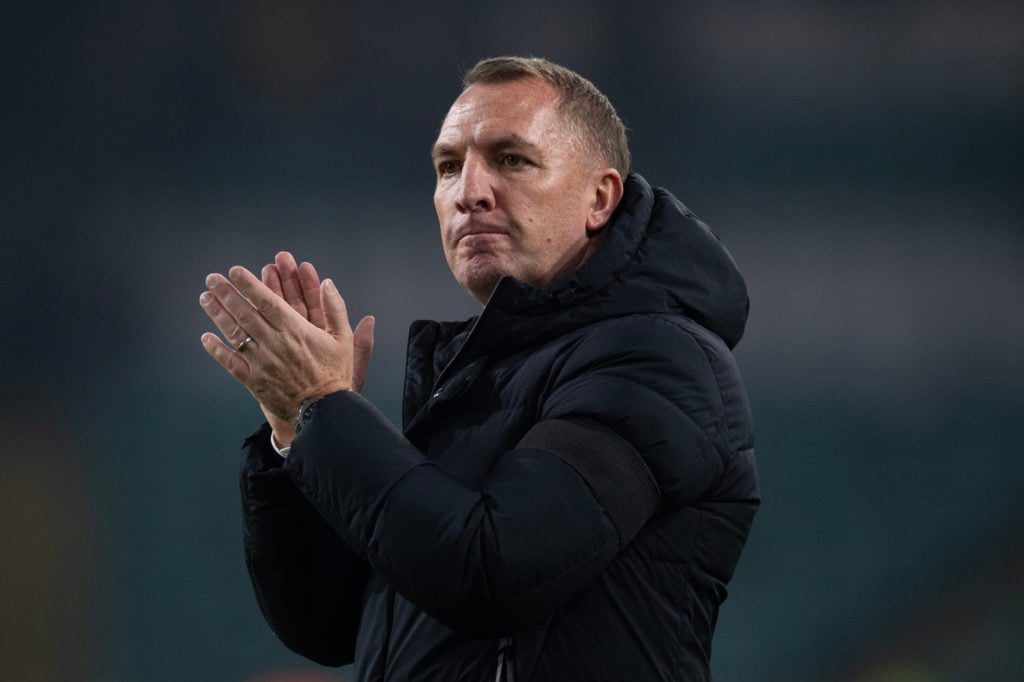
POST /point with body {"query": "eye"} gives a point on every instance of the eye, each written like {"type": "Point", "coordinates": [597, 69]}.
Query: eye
{"type": "Point", "coordinates": [512, 161]}
{"type": "Point", "coordinates": [448, 167]}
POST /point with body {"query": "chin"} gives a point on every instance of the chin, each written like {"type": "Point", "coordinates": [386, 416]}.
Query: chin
{"type": "Point", "coordinates": [481, 289]}
{"type": "Point", "coordinates": [479, 282]}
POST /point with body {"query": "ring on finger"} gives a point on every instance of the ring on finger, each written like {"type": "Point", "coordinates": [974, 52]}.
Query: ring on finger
{"type": "Point", "coordinates": [240, 348]}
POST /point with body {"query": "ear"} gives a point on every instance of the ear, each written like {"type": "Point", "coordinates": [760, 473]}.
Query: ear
{"type": "Point", "coordinates": [607, 195]}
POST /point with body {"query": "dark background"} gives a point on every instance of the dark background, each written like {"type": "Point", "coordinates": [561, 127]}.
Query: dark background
{"type": "Point", "coordinates": [862, 162]}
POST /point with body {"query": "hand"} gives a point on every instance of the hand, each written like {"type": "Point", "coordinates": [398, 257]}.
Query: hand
{"type": "Point", "coordinates": [299, 285]}
{"type": "Point", "coordinates": [290, 359]}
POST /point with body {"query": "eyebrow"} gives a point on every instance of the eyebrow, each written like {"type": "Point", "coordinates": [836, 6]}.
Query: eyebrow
{"type": "Point", "coordinates": [441, 150]}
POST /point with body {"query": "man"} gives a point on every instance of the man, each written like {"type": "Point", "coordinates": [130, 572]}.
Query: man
{"type": "Point", "coordinates": [575, 479]}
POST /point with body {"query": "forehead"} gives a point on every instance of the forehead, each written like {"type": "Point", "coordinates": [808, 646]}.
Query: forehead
{"type": "Point", "coordinates": [527, 109]}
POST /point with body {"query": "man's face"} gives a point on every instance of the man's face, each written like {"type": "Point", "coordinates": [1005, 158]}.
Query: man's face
{"type": "Point", "coordinates": [515, 194]}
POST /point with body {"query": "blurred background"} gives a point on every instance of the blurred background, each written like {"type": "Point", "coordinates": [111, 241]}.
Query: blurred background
{"type": "Point", "coordinates": [863, 162]}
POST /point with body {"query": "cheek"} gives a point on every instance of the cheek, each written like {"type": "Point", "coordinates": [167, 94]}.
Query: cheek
{"type": "Point", "coordinates": [443, 217]}
{"type": "Point", "coordinates": [438, 203]}
{"type": "Point", "coordinates": [560, 228]}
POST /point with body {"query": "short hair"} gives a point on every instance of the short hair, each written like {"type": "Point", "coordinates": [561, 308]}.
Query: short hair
{"type": "Point", "coordinates": [589, 114]}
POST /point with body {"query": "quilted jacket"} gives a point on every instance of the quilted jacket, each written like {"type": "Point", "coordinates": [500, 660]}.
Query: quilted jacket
{"type": "Point", "coordinates": [567, 500]}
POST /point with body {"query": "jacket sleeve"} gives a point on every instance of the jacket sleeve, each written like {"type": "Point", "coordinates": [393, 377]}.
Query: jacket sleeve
{"type": "Point", "coordinates": [308, 583]}
{"type": "Point", "coordinates": [666, 386]}
{"type": "Point", "coordinates": [554, 511]}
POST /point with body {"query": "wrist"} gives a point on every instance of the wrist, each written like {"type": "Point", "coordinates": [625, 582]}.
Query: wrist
{"type": "Point", "coordinates": [282, 441]}
{"type": "Point", "coordinates": [282, 430]}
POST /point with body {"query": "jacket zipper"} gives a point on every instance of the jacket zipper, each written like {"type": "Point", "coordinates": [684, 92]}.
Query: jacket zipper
{"type": "Point", "coordinates": [505, 671]}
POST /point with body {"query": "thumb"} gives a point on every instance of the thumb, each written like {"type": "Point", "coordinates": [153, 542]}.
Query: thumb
{"type": "Point", "coordinates": [335, 312]}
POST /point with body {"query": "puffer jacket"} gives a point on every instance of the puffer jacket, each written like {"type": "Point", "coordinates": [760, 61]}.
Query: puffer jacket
{"type": "Point", "coordinates": [570, 494]}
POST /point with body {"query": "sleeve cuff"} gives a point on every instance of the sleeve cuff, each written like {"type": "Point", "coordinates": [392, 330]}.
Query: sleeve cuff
{"type": "Point", "coordinates": [281, 451]}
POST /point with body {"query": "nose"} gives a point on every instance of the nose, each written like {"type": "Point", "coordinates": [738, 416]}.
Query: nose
{"type": "Point", "coordinates": [476, 189]}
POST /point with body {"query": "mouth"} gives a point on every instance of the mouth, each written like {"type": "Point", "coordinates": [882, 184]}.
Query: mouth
{"type": "Point", "coordinates": [474, 237]}
{"type": "Point", "coordinates": [479, 234]}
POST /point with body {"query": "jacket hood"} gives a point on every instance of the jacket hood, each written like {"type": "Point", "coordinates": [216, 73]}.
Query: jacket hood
{"type": "Point", "coordinates": [657, 257]}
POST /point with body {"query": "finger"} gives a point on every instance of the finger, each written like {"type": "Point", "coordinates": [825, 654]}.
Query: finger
{"type": "Point", "coordinates": [228, 326]}
{"type": "Point", "coordinates": [265, 308]}
{"type": "Point", "coordinates": [288, 272]}
{"type": "Point", "coordinates": [309, 280]}
{"type": "Point", "coordinates": [240, 309]}
{"type": "Point", "coordinates": [271, 279]}
{"type": "Point", "coordinates": [362, 343]}
{"type": "Point", "coordinates": [335, 312]}
{"type": "Point", "coordinates": [227, 358]}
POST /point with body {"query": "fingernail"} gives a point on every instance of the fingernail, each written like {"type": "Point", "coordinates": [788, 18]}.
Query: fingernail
{"type": "Point", "coordinates": [211, 280]}
{"type": "Point", "coordinates": [206, 298]}
{"type": "Point", "coordinates": [235, 272]}
{"type": "Point", "coordinates": [329, 285]}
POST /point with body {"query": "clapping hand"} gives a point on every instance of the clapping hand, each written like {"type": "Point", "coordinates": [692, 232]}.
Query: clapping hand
{"type": "Point", "coordinates": [290, 337]}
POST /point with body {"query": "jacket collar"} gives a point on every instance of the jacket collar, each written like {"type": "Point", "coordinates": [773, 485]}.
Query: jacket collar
{"type": "Point", "coordinates": [657, 257]}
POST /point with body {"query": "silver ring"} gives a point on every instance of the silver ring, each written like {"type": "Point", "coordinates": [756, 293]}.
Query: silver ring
{"type": "Point", "coordinates": [241, 347]}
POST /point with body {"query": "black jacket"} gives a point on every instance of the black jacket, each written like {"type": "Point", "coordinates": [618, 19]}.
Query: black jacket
{"type": "Point", "coordinates": [571, 493]}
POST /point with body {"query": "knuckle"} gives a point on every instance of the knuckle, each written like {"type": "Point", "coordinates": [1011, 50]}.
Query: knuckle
{"type": "Point", "coordinates": [263, 307]}
{"type": "Point", "coordinates": [246, 317]}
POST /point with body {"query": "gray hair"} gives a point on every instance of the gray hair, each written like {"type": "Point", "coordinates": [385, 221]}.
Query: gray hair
{"type": "Point", "coordinates": [586, 110]}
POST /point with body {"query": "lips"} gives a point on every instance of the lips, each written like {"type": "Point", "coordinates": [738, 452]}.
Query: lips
{"type": "Point", "coordinates": [478, 230]}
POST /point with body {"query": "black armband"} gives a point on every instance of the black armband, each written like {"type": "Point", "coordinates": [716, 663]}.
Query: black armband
{"type": "Point", "coordinates": [612, 468]}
